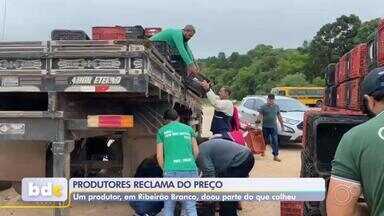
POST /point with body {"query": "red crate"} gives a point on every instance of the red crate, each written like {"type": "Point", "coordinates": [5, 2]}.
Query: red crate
{"type": "Point", "coordinates": [342, 91]}
{"type": "Point", "coordinates": [343, 69]}
{"type": "Point", "coordinates": [358, 61]}
{"type": "Point", "coordinates": [380, 43]}
{"type": "Point", "coordinates": [291, 208]}
{"type": "Point", "coordinates": [108, 33]}
{"type": "Point", "coordinates": [149, 32]}
{"type": "Point", "coordinates": [354, 97]}
{"type": "Point", "coordinates": [255, 141]}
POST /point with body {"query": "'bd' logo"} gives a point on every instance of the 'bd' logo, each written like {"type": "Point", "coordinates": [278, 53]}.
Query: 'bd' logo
{"type": "Point", "coordinates": [48, 190]}
{"type": "Point", "coordinates": [44, 189]}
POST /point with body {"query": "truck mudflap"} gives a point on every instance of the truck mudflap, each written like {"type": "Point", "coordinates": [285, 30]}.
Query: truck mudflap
{"type": "Point", "coordinates": [24, 138]}
{"type": "Point", "coordinates": [21, 159]}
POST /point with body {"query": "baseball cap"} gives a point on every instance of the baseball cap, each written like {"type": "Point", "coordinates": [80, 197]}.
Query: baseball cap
{"type": "Point", "coordinates": [373, 82]}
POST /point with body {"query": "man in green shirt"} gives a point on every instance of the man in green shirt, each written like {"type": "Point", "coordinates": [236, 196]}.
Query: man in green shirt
{"type": "Point", "coordinates": [176, 153]}
{"type": "Point", "coordinates": [178, 39]}
{"type": "Point", "coordinates": [358, 166]}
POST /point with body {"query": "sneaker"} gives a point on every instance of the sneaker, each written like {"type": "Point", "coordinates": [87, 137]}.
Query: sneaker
{"type": "Point", "coordinates": [276, 158]}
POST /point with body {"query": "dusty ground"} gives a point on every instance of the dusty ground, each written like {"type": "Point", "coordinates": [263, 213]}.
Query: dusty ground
{"type": "Point", "coordinates": [264, 167]}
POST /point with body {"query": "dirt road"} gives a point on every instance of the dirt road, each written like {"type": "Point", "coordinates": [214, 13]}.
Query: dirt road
{"type": "Point", "coordinates": [264, 167]}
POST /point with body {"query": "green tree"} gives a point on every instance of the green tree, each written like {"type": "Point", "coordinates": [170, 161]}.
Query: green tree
{"type": "Point", "coordinates": [265, 67]}
{"type": "Point", "coordinates": [293, 62]}
{"type": "Point", "coordinates": [318, 81]}
{"type": "Point", "coordinates": [221, 56]}
{"type": "Point", "coordinates": [297, 79]}
{"type": "Point", "coordinates": [366, 31]}
{"type": "Point", "coordinates": [332, 41]}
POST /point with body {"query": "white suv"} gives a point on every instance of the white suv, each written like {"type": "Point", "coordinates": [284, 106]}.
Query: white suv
{"type": "Point", "coordinates": [291, 110]}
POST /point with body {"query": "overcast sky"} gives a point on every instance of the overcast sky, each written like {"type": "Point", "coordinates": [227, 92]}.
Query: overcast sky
{"type": "Point", "coordinates": [222, 25]}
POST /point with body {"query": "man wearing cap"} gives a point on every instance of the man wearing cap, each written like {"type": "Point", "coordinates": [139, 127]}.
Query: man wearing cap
{"type": "Point", "coordinates": [178, 39]}
{"type": "Point", "coordinates": [358, 166]}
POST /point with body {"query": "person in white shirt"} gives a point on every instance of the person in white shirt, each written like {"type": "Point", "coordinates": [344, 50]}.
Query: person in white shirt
{"type": "Point", "coordinates": [221, 122]}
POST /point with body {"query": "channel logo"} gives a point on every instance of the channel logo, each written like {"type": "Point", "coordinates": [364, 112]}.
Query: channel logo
{"type": "Point", "coordinates": [44, 189]}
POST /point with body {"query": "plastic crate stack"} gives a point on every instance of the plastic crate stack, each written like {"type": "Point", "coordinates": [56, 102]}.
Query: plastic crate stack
{"type": "Point", "coordinates": [375, 57]}
{"type": "Point", "coordinates": [65, 34]}
{"type": "Point", "coordinates": [291, 208]}
{"type": "Point", "coordinates": [108, 33]}
{"type": "Point", "coordinates": [134, 32]}
{"type": "Point", "coordinates": [351, 70]}
{"type": "Point", "coordinates": [123, 32]}
{"type": "Point", "coordinates": [344, 78]}
{"type": "Point", "coordinates": [150, 31]}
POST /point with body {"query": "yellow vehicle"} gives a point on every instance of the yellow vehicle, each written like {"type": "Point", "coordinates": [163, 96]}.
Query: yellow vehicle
{"type": "Point", "coordinates": [310, 96]}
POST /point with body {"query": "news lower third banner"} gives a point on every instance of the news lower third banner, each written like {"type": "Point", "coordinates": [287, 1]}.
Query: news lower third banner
{"type": "Point", "coordinates": [179, 189]}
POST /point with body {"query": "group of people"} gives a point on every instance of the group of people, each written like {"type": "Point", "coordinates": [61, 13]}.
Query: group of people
{"type": "Point", "coordinates": [180, 154]}
{"type": "Point", "coordinates": [357, 167]}
{"type": "Point", "coordinates": [226, 120]}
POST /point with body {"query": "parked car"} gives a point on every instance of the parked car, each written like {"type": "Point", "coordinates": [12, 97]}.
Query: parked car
{"type": "Point", "coordinates": [292, 111]}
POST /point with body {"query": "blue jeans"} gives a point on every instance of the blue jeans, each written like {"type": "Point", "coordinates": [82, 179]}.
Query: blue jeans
{"type": "Point", "coordinates": [188, 206]}
{"type": "Point", "coordinates": [270, 136]}
{"type": "Point", "coordinates": [146, 207]}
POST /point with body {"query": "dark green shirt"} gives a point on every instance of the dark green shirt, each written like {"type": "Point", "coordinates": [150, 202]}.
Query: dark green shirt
{"type": "Point", "coordinates": [269, 114]}
{"type": "Point", "coordinates": [360, 158]}
{"type": "Point", "coordinates": [177, 147]}
{"type": "Point", "coordinates": [175, 39]}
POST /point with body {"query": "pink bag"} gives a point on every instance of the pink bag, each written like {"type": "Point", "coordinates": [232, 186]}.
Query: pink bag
{"type": "Point", "coordinates": [235, 120]}
{"type": "Point", "coordinates": [236, 134]}
{"type": "Point", "coordinates": [237, 137]}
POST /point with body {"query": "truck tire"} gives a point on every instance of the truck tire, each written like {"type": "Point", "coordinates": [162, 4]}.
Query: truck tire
{"type": "Point", "coordinates": [312, 209]}
{"type": "Point", "coordinates": [4, 185]}
{"type": "Point", "coordinates": [308, 171]}
{"type": "Point", "coordinates": [307, 165]}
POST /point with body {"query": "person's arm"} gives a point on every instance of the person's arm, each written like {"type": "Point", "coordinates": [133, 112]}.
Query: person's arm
{"type": "Point", "coordinates": [195, 147]}
{"type": "Point", "coordinates": [259, 117]}
{"type": "Point", "coordinates": [345, 188]}
{"type": "Point", "coordinates": [342, 198]}
{"type": "Point", "coordinates": [280, 120]}
{"type": "Point", "coordinates": [206, 166]}
{"type": "Point", "coordinates": [160, 149]}
{"type": "Point", "coordinates": [225, 106]}
{"type": "Point", "coordinates": [159, 154]}
{"type": "Point", "coordinates": [189, 51]}
{"type": "Point", "coordinates": [179, 42]}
